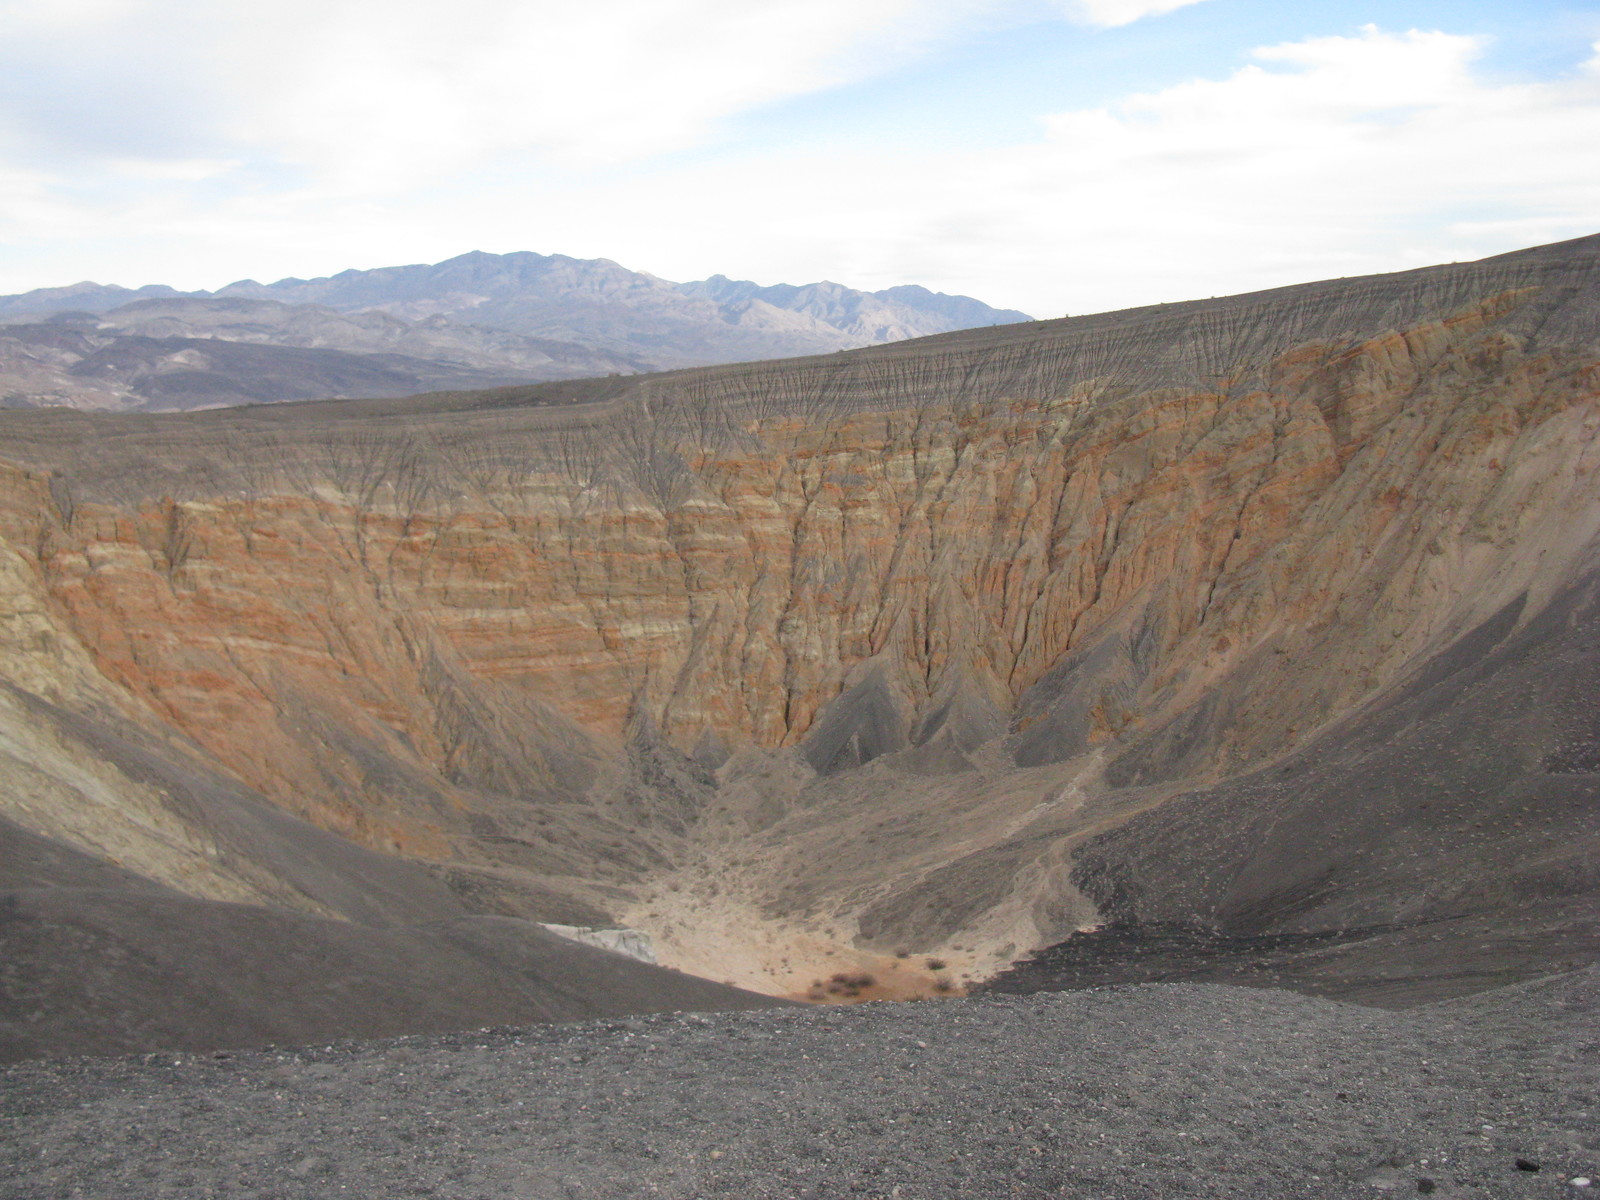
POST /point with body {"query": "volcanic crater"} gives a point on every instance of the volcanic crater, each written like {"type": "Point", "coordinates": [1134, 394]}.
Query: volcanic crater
{"type": "Point", "coordinates": [1250, 640]}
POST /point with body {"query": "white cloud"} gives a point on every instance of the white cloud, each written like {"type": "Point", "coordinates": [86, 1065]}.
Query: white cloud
{"type": "Point", "coordinates": [1325, 157]}
{"type": "Point", "coordinates": [385, 93]}
{"type": "Point", "coordinates": [403, 88]}
{"type": "Point", "coordinates": [28, 200]}
{"type": "Point", "coordinates": [62, 14]}
{"type": "Point", "coordinates": [1110, 13]}
{"type": "Point", "coordinates": [1322, 157]}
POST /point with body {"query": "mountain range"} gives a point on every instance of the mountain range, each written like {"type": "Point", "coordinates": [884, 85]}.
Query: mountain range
{"type": "Point", "coordinates": [474, 321]}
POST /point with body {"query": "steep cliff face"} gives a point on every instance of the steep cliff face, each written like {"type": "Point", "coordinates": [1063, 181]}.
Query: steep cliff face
{"type": "Point", "coordinates": [827, 658]}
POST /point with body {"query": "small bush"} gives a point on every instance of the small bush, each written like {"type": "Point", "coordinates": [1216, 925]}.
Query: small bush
{"type": "Point", "coordinates": [849, 984]}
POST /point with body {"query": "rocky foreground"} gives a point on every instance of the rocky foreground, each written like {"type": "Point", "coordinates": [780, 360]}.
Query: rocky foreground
{"type": "Point", "coordinates": [1152, 1091]}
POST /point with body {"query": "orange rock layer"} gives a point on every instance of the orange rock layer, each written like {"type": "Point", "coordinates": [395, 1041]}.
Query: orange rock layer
{"type": "Point", "coordinates": [378, 655]}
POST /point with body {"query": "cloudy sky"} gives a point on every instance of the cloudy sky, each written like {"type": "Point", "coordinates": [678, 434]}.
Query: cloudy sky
{"type": "Point", "coordinates": [1050, 155]}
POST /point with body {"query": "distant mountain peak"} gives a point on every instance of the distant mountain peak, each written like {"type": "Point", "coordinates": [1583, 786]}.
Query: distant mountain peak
{"type": "Point", "coordinates": [516, 316]}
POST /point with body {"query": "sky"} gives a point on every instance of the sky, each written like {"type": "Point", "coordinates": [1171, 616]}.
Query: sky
{"type": "Point", "coordinates": [1056, 156]}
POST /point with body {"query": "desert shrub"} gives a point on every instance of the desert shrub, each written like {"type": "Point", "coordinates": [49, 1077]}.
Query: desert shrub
{"type": "Point", "coordinates": [849, 984]}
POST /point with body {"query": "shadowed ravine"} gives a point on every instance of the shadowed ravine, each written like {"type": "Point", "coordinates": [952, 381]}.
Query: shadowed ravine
{"type": "Point", "coordinates": [1270, 617]}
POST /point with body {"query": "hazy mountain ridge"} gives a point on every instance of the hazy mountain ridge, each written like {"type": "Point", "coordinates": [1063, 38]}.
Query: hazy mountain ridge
{"type": "Point", "coordinates": [78, 297]}
{"type": "Point", "coordinates": [57, 364]}
{"type": "Point", "coordinates": [473, 321]}
{"type": "Point", "coordinates": [886, 316]}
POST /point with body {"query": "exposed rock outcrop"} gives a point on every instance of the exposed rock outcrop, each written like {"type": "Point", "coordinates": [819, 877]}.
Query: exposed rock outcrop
{"type": "Point", "coordinates": [634, 943]}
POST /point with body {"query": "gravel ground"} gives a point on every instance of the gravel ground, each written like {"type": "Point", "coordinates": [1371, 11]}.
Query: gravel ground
{"type": "Point", "coordinates": [1162, 1090]}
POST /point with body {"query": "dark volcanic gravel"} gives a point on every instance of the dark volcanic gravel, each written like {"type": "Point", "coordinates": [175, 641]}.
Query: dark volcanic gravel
{"type": "Point", "coordinates": [1154, 1091]}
